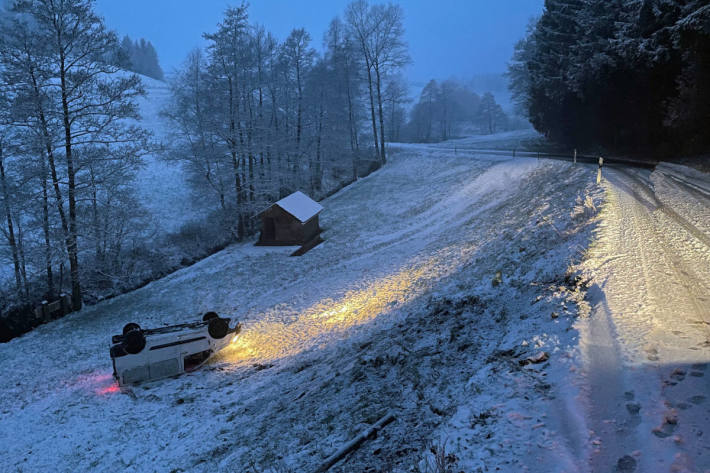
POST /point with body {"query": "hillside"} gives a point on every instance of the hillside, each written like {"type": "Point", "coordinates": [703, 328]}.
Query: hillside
{"type": "Point", "coordinates": [161, 184]}
{"type": "Point", "coordinates": [395, 311]}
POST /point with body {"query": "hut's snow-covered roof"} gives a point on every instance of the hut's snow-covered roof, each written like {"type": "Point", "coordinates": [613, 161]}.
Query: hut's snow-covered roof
{"type": "Point", "coordinates": [300, 206]}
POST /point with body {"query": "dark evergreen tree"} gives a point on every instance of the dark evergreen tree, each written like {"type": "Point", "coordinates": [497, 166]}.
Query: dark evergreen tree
{"type": "Point", "coordinates": [551, 98]}
{"type": "Point", "coordinates": [688, 114]}
{"type": "Point", "coordinates": [624, 75]}
{"type": "Point", "coordinates": [140, 56]}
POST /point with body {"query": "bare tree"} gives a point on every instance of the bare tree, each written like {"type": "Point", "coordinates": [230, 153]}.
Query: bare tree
{"type": "Point", "coordinates": [491, 115]}
{"type": "Point", "coordinates": [388, 52]}
{"type": "Point", "coordinates": [227, 49]}
{"type": "Point", "coordinates": [90, 100]}
{"type": "Point", "coordinates": [362, 28]}
{"type": "Point", "coordinates": [23, 56]}
{"type": "Point", "coordinates": [380, 31]}
{"type": "Point", "coordinates": [342, 54]}
{"type": "Point", "coordinates": [395, 96]}
{"type": "Point", "coordinates": [299, 56]}
{"type": "Point", "coordinates": [9, 231]}
{"type": "Point", "coordinates": [200, 148]}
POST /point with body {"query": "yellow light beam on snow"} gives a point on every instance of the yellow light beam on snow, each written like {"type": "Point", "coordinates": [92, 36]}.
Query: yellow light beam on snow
{"type": "Point", "coordinates": [267, 339]}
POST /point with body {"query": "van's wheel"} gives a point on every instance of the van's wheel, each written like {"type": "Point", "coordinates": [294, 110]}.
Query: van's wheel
{"type": "Point", "coordinates": [134, 342]}
{"type": "Point", "coordinates": [130, 326]}
{"type": "Point", "coordinates": [218, 328]}
{"type": "Point", "coordinates": [209, 316]}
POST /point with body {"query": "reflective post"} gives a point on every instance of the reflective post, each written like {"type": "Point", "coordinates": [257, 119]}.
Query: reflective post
{"type": "Point", "coordinates": [599, 171]}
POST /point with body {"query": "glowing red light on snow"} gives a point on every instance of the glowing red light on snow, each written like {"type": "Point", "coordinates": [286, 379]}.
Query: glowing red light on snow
{"type": "Point", "coordinates": [114, 388]}
{"type": "Point", "coordinates": [100, 378]}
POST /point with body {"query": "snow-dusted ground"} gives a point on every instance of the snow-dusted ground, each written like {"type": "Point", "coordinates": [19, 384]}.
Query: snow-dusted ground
{"type": "Point", "coordinates": [400, 310]}
{"type": "Point", "coordinates": [645, 349]}
{"type": "Point", "coordinates": [161, 183]}
{"type": "Point", "coordinates": [508, 141]}
{"type": "Point", "coordinates": [395, 311]}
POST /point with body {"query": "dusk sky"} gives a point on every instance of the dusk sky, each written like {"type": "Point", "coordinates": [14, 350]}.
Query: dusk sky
{"type": "Point", "coordinates": [447, 38]}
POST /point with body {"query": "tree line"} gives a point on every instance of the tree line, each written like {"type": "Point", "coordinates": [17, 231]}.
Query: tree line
{"type": "Point", "coordinates": [628, 75]}
{"type": "Point", "coordinates": [449, 109]}
{"type": "Point", "coordinates": [256, 118]}
{"type": "Point", "coordinates": [140, 57]}
{"type": "Point", "coordinates": [253, 118]}
{"type": "Point", "coordinates": [68, 144]}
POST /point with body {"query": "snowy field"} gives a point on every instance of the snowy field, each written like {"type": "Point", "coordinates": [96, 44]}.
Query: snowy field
{"type": "Point", "coordinates": [399, 310]}
{"type": "Point", "coordinates": [507, 141]}
{"type": "Point", "coordinates": [162, 186]}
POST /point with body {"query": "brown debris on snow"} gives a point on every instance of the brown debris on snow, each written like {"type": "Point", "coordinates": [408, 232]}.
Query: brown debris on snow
{"type": "Point", "coordinates": [535, 359]}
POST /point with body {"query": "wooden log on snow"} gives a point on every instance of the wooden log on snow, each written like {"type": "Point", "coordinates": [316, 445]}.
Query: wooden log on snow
{"type": "Point", "coordinates": [355, 443]}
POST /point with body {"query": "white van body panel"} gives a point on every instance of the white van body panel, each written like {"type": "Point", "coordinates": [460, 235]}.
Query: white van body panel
{"type": "Point", "coordinates": [170, 351]}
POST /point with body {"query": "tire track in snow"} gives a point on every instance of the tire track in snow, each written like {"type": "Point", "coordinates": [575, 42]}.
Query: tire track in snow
{"type": "Point", "coordinates": [692, 229]}
{"type": "Point", "coordinates": [652, 298]}
{"type": "Point", "coordinates": [691, 280]}
{"type": "Point", "coordinates": [697, 191]}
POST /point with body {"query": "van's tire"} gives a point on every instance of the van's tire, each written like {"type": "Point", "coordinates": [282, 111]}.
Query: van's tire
{"type": "Point", "coordinates": [134, 342]}
{"type": "Point", "coordinates": [218, 328]}
{"type": "Point", "coordinates": [209, 316]}
{"type": "Point", "coordinates": [130, 326]}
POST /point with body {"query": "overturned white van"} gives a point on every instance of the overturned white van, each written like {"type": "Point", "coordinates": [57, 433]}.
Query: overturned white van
{"type": "Point", "coordinates": [149, 354]}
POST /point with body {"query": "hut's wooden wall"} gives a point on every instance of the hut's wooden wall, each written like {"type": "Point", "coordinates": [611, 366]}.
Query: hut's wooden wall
{"type": "Point", "coordinates": [310, 229]}
{"type": "Point", "coordinates": [288, 230]}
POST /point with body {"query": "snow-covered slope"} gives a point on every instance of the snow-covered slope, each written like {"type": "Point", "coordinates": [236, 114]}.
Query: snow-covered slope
{"type": "Point", "coordinates": [161, 184]}
{"type": "Point", "coordinates": [395, 311]}
{"type": "Point", "coordinates": [504, 141]}
{"type": "Point", "coordinates": [455, 290]}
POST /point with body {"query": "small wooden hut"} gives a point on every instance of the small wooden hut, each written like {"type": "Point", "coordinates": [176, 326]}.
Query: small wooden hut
{"type": "Point", "coordinates": [291, 221]}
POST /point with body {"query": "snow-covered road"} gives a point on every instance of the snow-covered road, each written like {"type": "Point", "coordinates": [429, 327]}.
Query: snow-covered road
{"type": "Point", "coordinates": [646, 347]}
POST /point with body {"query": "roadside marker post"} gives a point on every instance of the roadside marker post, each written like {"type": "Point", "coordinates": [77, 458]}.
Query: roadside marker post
{"type": "Point", "coordinates": [599, 171]}
{"type": "Point", "coordinates": [575, 156]}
